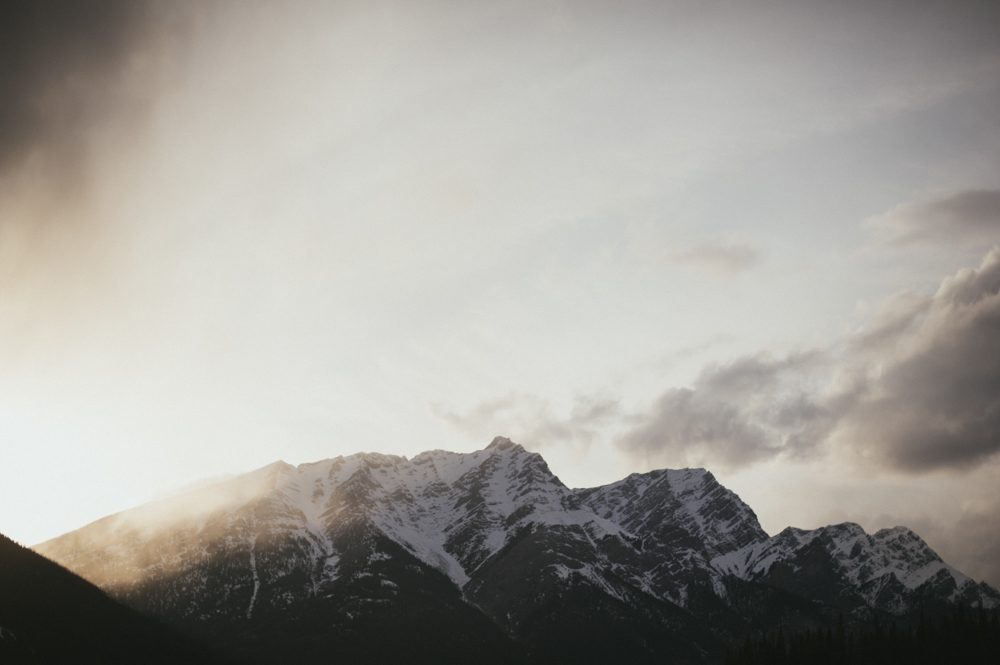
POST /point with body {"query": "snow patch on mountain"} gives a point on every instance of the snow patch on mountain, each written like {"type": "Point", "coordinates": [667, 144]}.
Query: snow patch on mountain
{"type": "Point", "coordinates": [691, 499]}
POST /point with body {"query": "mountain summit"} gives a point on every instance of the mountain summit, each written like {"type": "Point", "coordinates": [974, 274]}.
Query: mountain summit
{"type": "Point", "coordinates": [488, 555]}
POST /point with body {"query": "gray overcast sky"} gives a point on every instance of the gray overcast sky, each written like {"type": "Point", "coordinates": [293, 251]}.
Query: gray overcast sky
{"type": "Point", "coordinates": [753, 236]}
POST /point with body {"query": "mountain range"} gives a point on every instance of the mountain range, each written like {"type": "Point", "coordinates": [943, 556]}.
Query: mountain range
{"type": "Point", "coordinates": [489, 557]}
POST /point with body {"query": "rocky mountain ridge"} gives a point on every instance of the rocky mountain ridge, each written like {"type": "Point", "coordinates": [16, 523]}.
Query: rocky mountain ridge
{"type": "Point", "coordinates": [663, 563]}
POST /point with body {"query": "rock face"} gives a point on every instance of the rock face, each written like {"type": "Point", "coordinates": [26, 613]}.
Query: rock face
{"type": "Point", "coordinates": [488, 556]}
{"type": "Point", "coordinates": [893, 571]}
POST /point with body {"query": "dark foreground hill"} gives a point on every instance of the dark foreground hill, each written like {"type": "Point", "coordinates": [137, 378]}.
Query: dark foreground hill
{"type": "Point", "coordinates": [969, 638]}
{"type": "Point", "coordinates": [50, 616]}
{"type": "Point", "coordinates": [489, 557]}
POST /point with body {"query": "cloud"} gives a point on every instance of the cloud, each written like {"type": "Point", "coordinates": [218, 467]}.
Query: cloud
{"type": "Point", "coordinates": [917, 390]}
{"type": "Point", "coordinates": [79, 82]}
{"type": "Point", "coordinates": [734, 415]}
{"type": "Point", "coordinates": [68, 68]}
{"type": "Point", "coordinates": [971, 215]}
{"type": "Point", "coordinates": [935, 402]}
{"type": "Point", "coordinates": [721, 257]}
{"type": "Point", "coordinates": [530, 421]}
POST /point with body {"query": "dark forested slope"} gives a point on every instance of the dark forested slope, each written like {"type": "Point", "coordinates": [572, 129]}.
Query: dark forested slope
{"type": "Point", "coordinates": [967, 637]}
{"type": "Point", "coordinates": [49, 615]}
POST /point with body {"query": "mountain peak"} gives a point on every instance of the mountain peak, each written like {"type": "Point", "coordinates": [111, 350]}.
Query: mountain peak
{"type": "Point", "coordinates": [501, 443]}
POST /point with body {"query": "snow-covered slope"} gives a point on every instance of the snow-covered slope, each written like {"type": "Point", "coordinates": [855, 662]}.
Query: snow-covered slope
{"type": "Point", "coordinates": [687, 499]}
{"type": "Point", "coordinates": [451, 511]}
{"type": "Point", "coordinates": [888, 570]}
{"type": "Point", "coordinates": [679, 520]}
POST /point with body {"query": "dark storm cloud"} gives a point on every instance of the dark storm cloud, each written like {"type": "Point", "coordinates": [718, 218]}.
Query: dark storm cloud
{"type": "Point", "coordinates": [918, 390]}
{"type": "Point", "coordinates": [937, 403]}
{"type": "Point", "coordinates": [67, 66]}
{"type": "Point", "coordinates": [970, 215]}
{"type": "Point", "coordinates": [734, 415]}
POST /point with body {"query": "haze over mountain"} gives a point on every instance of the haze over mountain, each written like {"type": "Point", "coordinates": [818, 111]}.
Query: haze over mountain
{"type": "Point", "coordinates": [489, 556]}
{"type": "Point", "coordinates": [49, 616]}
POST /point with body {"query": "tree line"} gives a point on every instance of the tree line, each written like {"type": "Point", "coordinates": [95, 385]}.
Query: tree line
{"type": "Point", "coordinates": [970, 637]}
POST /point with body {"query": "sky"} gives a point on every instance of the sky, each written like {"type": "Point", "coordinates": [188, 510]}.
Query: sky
{"type": "Point", "coordinates": [759, 237]}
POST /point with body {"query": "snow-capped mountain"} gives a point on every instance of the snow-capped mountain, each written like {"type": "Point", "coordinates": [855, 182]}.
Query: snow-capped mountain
{"type": "Point", "coordinates": [893, 570]}
{"type": "Point", "coordinates": [487, 555]}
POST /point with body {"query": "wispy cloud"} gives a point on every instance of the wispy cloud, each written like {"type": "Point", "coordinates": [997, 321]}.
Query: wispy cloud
{"type": "Point", "coordinates": [531, 420]}
{"type": "Point", "coordinates": [971, 215]}
{"type": "Point", "coordinates": [723, 257]}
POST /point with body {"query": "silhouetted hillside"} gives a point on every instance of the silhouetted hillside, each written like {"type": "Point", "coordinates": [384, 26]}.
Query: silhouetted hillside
{"type": "Point", "coordinates": [49, 615]}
